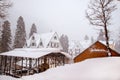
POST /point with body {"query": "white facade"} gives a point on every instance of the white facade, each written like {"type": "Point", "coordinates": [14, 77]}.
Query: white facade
{"type": "Point", "coordinates": [46, 40]}
{"type": "Point", "coordinates": [75, 48]}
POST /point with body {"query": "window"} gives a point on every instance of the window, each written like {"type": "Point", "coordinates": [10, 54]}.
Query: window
{"type": "Point", "coordinates": [33, 38]}
{"type": "Point", "coordinates": [41, 44]}
{"type": "Point", "coordinates": [55, 38]}
{"type": "Point", "coordinates": [33, 44]}
{"type": "Point", "coordinates": [57, 45]}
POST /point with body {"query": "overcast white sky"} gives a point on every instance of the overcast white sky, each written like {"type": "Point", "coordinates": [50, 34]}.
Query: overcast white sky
{"type": "Point", "coordinates": [63, 16]}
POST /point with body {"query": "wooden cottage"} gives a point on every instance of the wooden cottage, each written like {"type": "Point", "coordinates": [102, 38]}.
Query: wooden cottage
{"type": "Point", "coordinates": [21, 62]}
{"type": "Point", "coordinates": [98, 49]}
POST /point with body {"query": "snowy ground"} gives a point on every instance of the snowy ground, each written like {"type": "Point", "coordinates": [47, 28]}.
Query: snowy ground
{"type": "Point", "coordinates": [92, 69]}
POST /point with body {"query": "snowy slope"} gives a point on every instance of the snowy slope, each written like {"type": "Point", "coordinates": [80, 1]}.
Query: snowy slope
{"type": "Point", "coordinates": [92, 69]}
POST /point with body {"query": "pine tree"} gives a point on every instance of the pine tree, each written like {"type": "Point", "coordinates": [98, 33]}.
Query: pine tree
{"type": "Point", "coordinates": [101, 35]}
{"type": "Point", "coordinates": [92, 39]}
{"type": "Point", "coordinates": [4, 5]}
{"type": "Point", "coordinates": [33, 30]}
{"type": "Point", "coordinates": [64, 42]}
{"type": "Point", "coordinates": [6, 37]}
{"type": "Point", "coordinates": [86, 38]}
{"type": "Point", "coordinates": [20, 35]}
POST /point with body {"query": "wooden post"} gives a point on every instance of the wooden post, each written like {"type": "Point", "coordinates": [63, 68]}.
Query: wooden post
{"type": "Point", "coordinates": [10, 65]}
{"type": "Point", "coordinates": [5, 64]}
{"type": "Point", "coordinates": [29, 65]}
{"type": "Point", "coordinates": [6, 70]}
{"type": "Point", "coordinates": [15, 60]}
{"type": "Point", "coordinates": [21, 66]}
{"type": "Point", "coordinates": [63, 60]}
{"type": "Point", "coordinates": [0, 64]}
{"type": "Point", "coordinates": [26, 64]}
{"type": "Point", "coordinates": [38, 65]}
{"type": "Point", "coordinates": [1, 69]}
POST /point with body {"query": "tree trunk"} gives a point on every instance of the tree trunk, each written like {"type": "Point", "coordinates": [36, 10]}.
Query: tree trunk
{"type": "Point", "coordinates": [107, 41]}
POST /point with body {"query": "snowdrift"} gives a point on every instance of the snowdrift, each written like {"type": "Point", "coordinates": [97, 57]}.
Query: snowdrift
{"type": "Point", "coordinates": [92, 69]}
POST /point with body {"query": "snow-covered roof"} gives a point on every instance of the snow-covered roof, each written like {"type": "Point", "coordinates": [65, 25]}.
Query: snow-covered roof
{"type": "Point", "coordinates": [33, 52]}
{"type": "Point", "coordinates": [45, 38]}
{"type": "Point", "coordinates": [104, 42]}
{"type": "Point", "coordinates": [86, 44]}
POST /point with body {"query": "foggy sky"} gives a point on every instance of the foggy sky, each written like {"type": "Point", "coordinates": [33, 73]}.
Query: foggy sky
{"type": "Point", "coordinates": [63, 16]}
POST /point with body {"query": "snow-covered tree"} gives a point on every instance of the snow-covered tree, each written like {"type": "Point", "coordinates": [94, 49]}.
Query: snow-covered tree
{"type": "Point", "coordinates": [20, 35]}
{"type": "Point", "coordinates": [5, 37]}
{"type": "Point", "coordinates": [117, 44]}
{"type": "Point", "coordinates": [64, 42]}
{"type": "Point", "coordinates": [86, 38]}
{"type": "Point", "coordinates": [99, 14]}
{"type": "Point", "coordinates": [33, 29]}
{"type": "Point", "coordinates": [4, 5]}
{"type": "Point", "coordinates": [101, 35]}
{"type": "Point", "coordinates": [92, 39]}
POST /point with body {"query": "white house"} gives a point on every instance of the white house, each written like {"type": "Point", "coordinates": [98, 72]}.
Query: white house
{"type": "Point", "coordinates": [45, 40]}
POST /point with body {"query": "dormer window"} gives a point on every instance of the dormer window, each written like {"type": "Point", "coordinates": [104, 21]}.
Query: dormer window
{"type": "Point", "coordinates": [33, 44]}
{"type": "Point", "coordinates": [41, 44]}
{"type": "Point", "coordinates": [55, 38]}
{"type": "Point", "coordinates": [33, 38]}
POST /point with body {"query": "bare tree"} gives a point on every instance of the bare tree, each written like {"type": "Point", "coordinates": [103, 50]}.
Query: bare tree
{"type": "Point", "coordinates": [99, 14]}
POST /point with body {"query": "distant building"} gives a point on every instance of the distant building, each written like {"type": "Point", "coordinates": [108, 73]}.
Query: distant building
{"type": "Point", "coordinates": [45, 40]}
{"type": "Point", "coordinates": [74, 48]}
{"type": "Point", "coordinates": [96, 50]}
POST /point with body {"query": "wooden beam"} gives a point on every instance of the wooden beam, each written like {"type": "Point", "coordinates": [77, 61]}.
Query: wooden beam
{"type": "Point", "coordinates": [21, 66]}
{"type": "Point", "coordinates": [10, 64]}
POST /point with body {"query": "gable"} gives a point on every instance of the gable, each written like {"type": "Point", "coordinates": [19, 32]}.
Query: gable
{"type": "Point", "coordinates": [55, 40]}
{"type": "Point", "coordinates": [44, 40]}
{"type": "Point", "coordinates": [40, 44]}
{"type": "Point", "coordinates": [96, 50]}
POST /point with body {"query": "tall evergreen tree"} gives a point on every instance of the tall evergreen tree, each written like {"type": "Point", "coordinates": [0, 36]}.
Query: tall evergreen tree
{"type": "Point", "coordinates": [33, 30]}
{"type": "Point", "coordinates": [4, 5]}
{"type": "Point", "coordinates": [64, 42]}
{"type": "Point", "coordinates": [20, 35]}
{"type": "Point", "coordinates": [6, 37]}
